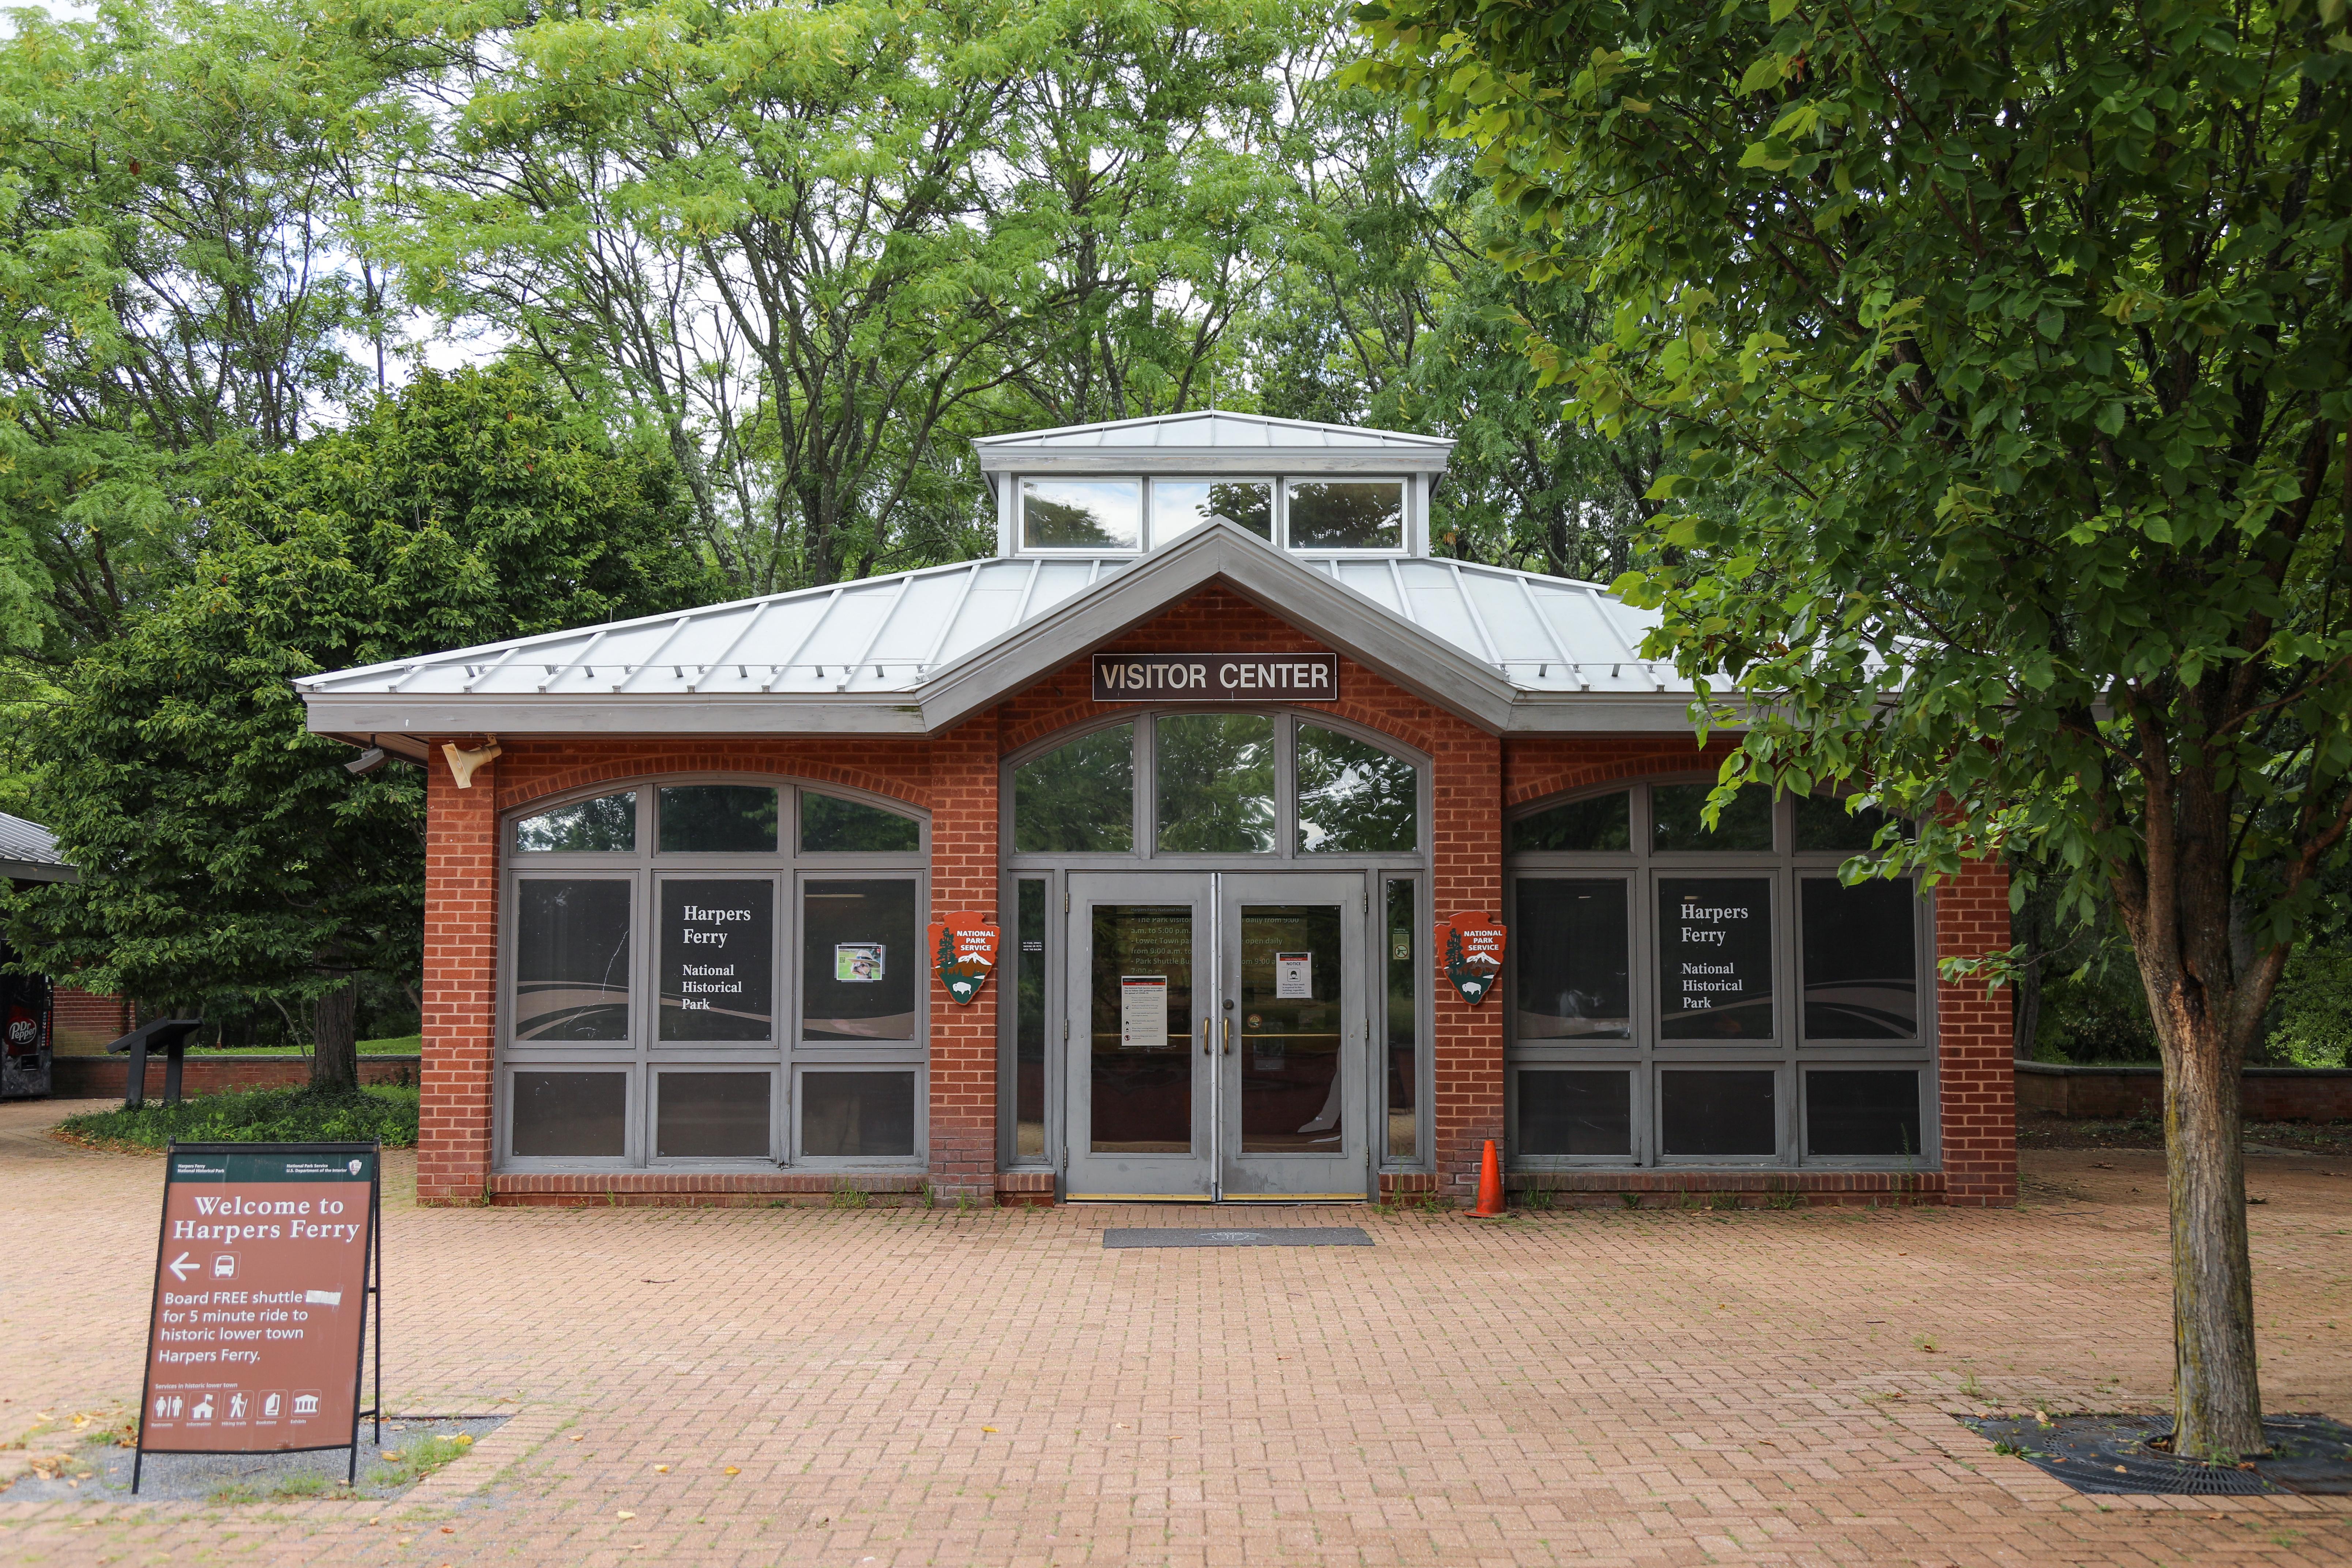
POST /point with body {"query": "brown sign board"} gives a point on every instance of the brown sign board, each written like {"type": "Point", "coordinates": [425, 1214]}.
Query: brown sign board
{"type": "Point", "coordinates": [262, 1291]}
{"type": "Point", "coordinates": [1216, 676]}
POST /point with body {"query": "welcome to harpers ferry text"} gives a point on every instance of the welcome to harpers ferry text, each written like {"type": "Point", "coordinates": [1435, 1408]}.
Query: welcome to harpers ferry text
{"type": "Point", "coordinates": [260, 1219]}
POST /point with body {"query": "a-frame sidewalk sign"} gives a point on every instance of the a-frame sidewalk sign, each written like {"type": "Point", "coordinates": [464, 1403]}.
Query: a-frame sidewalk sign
{"type": "Point", "coordinates": [266, 1261]}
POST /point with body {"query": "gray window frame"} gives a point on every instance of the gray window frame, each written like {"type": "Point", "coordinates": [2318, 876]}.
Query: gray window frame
{"type": "Point", "coordinates": [1055, 869]}
{"type": "Point", "coordinates": [642, 1055]}
{"type": "Point", "coordinates": [1647, 1058]}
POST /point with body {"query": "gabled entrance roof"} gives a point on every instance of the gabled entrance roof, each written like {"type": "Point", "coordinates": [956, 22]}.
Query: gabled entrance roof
{"type": "Point", "coordinates": [915, 652]}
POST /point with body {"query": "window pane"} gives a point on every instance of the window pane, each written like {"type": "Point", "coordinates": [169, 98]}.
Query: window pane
{"type": "Point", "coordinates": [570, 1115]}
{"type": "Point", "coordinates": [857, 1115]}
{"type": "Point", "coordinates": [831, 826]}
{"type": "Point", "coordinates": [1139, 1039]}
{"type": "Point", "coordinates": [1029, 1025]}
{"type": "Point", "coordinates": [1106, 514]}
{"type": "Point", "coordinates": [1576, 1113]}
{"type": "Point", "coordinates": [1675, 824]}
{"type": "Point", "coordinates": [1404, 1021]}
{"type": "Point", "coordinates": [1347, 514]}
{"type": "Point", "coordinates": [1860, 1112]}
{"type": "Point", "coordinates": [1290, 1033]}
{"type": "Point", "coordinates": [1823, 823]}
{"type": "Point", "coordinates": [718, 958]}
{"type": "Point", "coordinates": [1078, 798]}
{"type": "Point", "coordinates": [1353, 796]}
{"type": "Point", "coordinates": [1180, 506]}
{"type": "Point", "coordinates": [1605, 823]}
{"type": "Point", "coordinates": [1575, 971]}
{"type": "Point", "coordinates": [572, 959]}
{"type": "Point", "coordinates": [1714, 958]}
{"type": "Point", "coordinates": [1216, 784]}
{"type": "Point", "coordinates": [1717, 1113]}
{"type": "Point", "coordinates": [607, 823]}
{"type": "Point", "coordinates": [859, 961]}
{"type": "Point", "coordinates": [1861, 963]}
{"type": "Point", "coordinates": [711, 1116]}
{"type": "Point", "coordinates": [718, 818]}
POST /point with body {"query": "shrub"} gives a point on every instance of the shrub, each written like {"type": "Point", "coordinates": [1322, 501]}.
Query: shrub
{"type": "Point", "coordinates": [2315, 1009]}
{"type": "Point", "coordinates": [375, 1114]}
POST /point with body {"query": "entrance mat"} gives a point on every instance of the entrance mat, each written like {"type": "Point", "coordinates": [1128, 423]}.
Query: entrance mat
{"type": "Point", "coordinates": [1286, 1235]}
{"type": "Point", "coordinates": [2309, 1454]}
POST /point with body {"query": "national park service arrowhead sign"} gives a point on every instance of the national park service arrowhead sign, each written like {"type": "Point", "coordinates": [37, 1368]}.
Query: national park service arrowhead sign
{"type": "Point", "coordinates": [964, 948]}
{"type": "Point", "coordinates": [1471, 947]}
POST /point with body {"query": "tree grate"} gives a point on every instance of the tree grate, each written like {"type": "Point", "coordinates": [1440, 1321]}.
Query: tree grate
{"type": "Point", "coordinates": [2309, 1454]}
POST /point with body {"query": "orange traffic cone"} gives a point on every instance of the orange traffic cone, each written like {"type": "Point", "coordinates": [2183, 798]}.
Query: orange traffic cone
{"type": "Point", "coordinates": [1490, 1187]}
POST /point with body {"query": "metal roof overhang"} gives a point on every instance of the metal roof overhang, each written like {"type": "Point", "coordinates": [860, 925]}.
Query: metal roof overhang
{"type": "Point", "coordinates": [1218, 555]}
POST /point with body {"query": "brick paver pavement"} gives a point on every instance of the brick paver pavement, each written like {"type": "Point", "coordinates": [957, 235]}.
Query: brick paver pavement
{"type": "Point", "coordinates": [902, 1387]}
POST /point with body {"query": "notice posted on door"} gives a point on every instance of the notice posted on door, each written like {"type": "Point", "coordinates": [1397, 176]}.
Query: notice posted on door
{"type": "Point", "coordinates": [260, 1298]}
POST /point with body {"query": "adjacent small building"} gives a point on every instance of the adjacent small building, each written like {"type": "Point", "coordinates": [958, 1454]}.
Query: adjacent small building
{"type": "Point", "coordinates": [1224, 755]}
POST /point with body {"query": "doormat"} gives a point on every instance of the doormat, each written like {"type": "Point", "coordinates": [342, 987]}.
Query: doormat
{"type": "Point", "coordinates": [1287, 1236]}
{"type": "Point", "coordinates": [2309, 1454]}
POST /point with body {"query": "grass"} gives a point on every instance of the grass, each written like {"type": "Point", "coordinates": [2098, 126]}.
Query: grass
{"type": "Point", "coordinates": [418, 1460]}
{"type": "Point", "coordinates": [378, 1112]}
{"type": "Point", "coordinates": [391, 1045]}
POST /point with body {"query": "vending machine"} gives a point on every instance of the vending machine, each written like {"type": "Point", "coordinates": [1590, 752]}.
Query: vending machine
{"type": "Point", "coordinates": [27, 1015]}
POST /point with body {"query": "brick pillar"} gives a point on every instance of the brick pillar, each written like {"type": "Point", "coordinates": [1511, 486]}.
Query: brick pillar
{"type": "Point", "coordinates": [1467, 1050]}
{"type": "Point", "coordinates": [1977, 1057]}
{"type": "Point", "coordinates": [963, 1035]}
{"type": "Point", "coordinates": [461, 945]}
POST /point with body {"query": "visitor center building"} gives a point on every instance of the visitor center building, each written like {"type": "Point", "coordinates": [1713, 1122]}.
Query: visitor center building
{"type": "Point", "coordinates": [1236, 782]}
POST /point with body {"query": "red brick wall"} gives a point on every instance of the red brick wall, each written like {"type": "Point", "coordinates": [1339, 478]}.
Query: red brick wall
{"type": "Point", "coordinates": [1973, 1043]}
{"type": "Point", "coordinates": [461, 946]}
{"type": "Point", "coordinates": [963, 1035]}
{"type": "Point", "coordinates": [84, 1024]}
{"type": "Point", "coordinates": [1536, 766]}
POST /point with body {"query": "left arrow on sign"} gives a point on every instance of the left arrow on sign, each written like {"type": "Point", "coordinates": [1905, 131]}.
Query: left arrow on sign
{"type": "Point", "coordinates": [183, 1267]}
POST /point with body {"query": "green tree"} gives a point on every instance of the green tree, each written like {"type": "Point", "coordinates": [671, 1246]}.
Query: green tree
{"type": "Point", "coordinates": [173, 295]}
{"type": "Point", "coordinates": [225, 851]}
{"type": "Point", "coordinates": [2008, 346]}
{"type": "Point", "coordinates": [813, 246]}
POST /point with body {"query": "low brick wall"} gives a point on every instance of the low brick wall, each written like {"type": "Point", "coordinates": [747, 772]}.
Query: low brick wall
{"type": "Point", "coordinates": [107, 1078]}
{"type": "Point", "coordinates": [2271, 1094]}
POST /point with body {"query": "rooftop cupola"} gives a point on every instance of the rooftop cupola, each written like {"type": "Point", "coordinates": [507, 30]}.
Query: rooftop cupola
{"type": "Point", "coordinates": [1127, 486]}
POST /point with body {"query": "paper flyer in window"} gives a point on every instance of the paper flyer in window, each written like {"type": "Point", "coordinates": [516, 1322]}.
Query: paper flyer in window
{"type": "Point", "coordinates": [1143, 1012]}
{"type": "Point", "coordinates": [1294, 976]}
{"type": "Point", "coordinates": [859, 962]}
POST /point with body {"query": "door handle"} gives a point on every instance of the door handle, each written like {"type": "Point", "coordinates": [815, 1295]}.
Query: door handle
{"type": "Point", "coordinates": [1229, 1036]}
{"type": "Point", "coordinates": [1206, 1049]}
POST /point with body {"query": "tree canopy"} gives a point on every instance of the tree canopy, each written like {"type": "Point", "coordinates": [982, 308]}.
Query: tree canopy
{"type": "Point", "coordinates": [225, 851]}
{"type": "Point", "coordinates": [2004, 357]}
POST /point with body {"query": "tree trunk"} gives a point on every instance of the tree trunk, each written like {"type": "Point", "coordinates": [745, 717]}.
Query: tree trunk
{"type": "Point", "coordinates": [2216, 1397]}
{"type": "Point", "coordinates": [335, 1066]}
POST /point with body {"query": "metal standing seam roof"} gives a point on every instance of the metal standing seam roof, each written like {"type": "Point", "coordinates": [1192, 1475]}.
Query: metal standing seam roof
{"type": "Point", "coordinates": [881, 636]}
{"type": "Point", "coordinates": [1213, 430]}
{"type": "Point", "coordinates": [29, 851]}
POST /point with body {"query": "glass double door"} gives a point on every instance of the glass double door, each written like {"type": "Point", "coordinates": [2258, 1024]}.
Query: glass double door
{"type": "Point", "coordinates": [1219, 1036]}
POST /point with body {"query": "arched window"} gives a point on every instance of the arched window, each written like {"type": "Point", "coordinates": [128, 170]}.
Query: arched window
{"type": "Point", "coordinates": [1219, 782]}
{"type": "Point", "coordinates": [1682, 995]}
{"type": "Point", "coordinates": [712, 970]}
